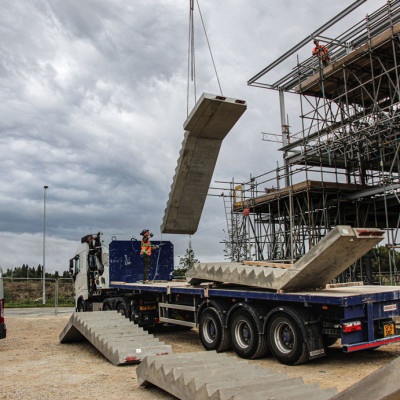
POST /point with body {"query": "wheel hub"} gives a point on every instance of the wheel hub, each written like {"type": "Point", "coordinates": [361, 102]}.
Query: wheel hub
{"type": "Point", "coordinates": [284, 337]}
{"type": "Point", "coordinates": [210, 331]}
{"type": "Point", "coordinates": [243, 334]}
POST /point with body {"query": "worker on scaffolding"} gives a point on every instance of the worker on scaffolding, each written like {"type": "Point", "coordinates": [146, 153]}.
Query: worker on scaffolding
{"type": "Point", "coordinates": [145, 253]}
{"type": "Point", "coordinates": [322, 53]}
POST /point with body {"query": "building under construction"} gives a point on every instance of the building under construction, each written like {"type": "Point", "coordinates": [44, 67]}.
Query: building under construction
{"type": "Point", "coordinates": [341, 167]}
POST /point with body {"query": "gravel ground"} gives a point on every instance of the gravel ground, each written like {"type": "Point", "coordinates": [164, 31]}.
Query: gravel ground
{"type": "Point", "coordinates": [34, 365]}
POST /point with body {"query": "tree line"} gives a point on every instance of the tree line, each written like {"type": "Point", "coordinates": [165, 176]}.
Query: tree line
{"type": "Point", "coordinates": [25, 271]}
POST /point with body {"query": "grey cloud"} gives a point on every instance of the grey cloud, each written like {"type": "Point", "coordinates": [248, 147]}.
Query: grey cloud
{"type": "Point", "coordinates": [92, 104]}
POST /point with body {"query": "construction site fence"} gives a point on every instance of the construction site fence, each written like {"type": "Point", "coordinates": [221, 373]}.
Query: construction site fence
{"type": "Point", "coordinates": [58, 292]}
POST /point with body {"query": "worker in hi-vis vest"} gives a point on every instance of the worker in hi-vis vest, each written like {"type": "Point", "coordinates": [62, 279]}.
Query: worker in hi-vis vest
{"type": "Point", "coordinates": [322, 53]}
{"type": "Point", "coordinates": [145, 253]}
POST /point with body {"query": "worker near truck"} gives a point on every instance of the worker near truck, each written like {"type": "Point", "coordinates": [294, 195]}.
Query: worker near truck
{"type": "Point", "coordinates": [145, 253]}
{"type": "Point", "coordinates": [322, 53]}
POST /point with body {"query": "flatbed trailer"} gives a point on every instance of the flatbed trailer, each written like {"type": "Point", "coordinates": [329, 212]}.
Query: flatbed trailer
{"type": "Point", "coordinates": [295, 327]}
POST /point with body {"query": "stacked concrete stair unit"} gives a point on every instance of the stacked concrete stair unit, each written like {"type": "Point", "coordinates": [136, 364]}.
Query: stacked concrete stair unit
{"type": "Point", "coordinates": [117, 338]}
{"type": "Point", "coordinates": [332, 255]}
{"type": "Point", "coordinates": [208, 375]}
{"type": "Point", "coordinates": [207, 125]}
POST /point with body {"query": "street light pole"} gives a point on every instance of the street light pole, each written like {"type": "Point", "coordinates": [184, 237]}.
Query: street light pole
{"type": "Point", "coordinates": [44, 245]}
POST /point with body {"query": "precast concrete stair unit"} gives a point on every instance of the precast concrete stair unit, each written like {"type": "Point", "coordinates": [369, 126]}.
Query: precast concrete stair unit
{"type": "Point", "coordinates": [382, 384]}
{"type": "Point", "coordinates": [208, 375]}
{"type": "Point", "coordinates": [332, 255]}
{"type": "Point", "coordinates": [207, 125]}
{"type": "Point", "coordinates": [117, 338]}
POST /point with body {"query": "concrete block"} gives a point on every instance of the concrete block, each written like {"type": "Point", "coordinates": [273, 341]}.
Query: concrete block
{"type": "Point", "coordinates": [209, 122]}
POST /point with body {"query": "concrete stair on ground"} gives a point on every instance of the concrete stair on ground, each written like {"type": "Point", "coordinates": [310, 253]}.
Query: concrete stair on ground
{"type": "Point", "coordinates": [208, 375]}
{"type": "Point", "coordinates": [332, 255]}
{"type": "Point", "coordinates": [207, 125]}
{"type": "Point", "coordinates": [382, 384]}
{"type": "Point", "coordinates": [117, 338]}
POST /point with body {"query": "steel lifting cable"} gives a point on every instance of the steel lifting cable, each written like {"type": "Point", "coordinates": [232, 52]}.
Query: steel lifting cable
{"type": "Point", "coordinates": [191, 72]}
{"type": "Point", "coordinates": [209, 47]}
{"type": "Point", "coordinates": [158, 257]}
{"type": "Point", "coordinates": [191, 57]}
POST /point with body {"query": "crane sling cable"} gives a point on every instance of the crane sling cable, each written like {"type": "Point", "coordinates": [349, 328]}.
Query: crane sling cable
{"type": "Point", "coordinates": [158, 258]}
{"type": "Point", "coordinates": [191, 53]}
{"type": "Point", "coordinates": [191, 72]}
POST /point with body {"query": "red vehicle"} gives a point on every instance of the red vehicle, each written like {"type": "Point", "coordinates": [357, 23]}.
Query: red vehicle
{"type": "Point", "coordinates": [3, 328]}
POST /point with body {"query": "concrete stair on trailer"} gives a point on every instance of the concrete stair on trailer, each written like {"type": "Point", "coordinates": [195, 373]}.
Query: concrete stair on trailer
{"type": "Point", "coordinates": [208, 375]}
{"type": "Point", "coordinates": [205, 128]}
{"type": "Point", "coordinates": [332, 255]}
{"type": "Point", "coordinates": [117, 338]}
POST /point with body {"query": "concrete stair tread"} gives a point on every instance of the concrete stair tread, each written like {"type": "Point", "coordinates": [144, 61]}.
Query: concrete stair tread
{"type": "Point", "coordinates": [255, 382]}
{"type": "Point", "coordinates": [189, 365]}
{"type": "Point", "coordinates": [204, 374]}
{"type": "Point", "coordinates": [308, 393]}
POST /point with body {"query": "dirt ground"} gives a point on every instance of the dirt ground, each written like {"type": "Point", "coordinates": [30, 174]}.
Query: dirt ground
{"type": "Point", "coordinates": [34, 365]}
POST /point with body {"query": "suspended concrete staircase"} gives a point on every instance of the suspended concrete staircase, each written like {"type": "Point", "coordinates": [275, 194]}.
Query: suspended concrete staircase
{"type": "Point", "coordinates": [207, 125]}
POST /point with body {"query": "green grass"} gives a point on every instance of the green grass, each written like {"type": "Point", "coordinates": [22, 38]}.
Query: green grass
{"type": "Point", "coordinates": [29, 304]}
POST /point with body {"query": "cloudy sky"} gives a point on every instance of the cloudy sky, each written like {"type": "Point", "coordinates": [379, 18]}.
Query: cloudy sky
{"type": "Point", "coordinates": [92, 102]}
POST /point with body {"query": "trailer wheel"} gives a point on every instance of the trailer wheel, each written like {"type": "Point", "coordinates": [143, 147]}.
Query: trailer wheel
{"type": "Point", "coordinates": [213, 335]}
{"type": "Point", "coordinates": [122, 309]}
{"type": "Point", "coordinates": [107, 306]}
{"type": "Point", "coordinates": [245, 336]}
{"type": "Point", "coordinates": [285, 340]}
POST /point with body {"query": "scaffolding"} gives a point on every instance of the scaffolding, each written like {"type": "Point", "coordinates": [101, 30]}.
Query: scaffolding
{"type": "Point", "coordinates": [341, 167]}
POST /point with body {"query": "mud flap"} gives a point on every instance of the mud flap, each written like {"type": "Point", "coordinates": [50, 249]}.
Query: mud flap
{"type": "Point", "coordinates": [314, 341]}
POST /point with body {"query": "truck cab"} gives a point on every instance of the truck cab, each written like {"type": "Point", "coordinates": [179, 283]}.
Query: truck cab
{"type": "Point", "coordinates": [89, 269]}
{"type": "Point", "coordinates": [3, 328]}
{"type": "Point", "coordinates": [95, 268]}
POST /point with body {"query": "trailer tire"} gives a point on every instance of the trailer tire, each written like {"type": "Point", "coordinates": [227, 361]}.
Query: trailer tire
{"type": "Point", "coordinates": [285, 340]}
{"type": "Point", "coordinates": [107, 306]}
{"type": "Point", "coordinates": [122, 308]}
{"type": "Point", "coordinates": [245, 336]}
{"type": "Point", "coordinates": [213, 335]}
